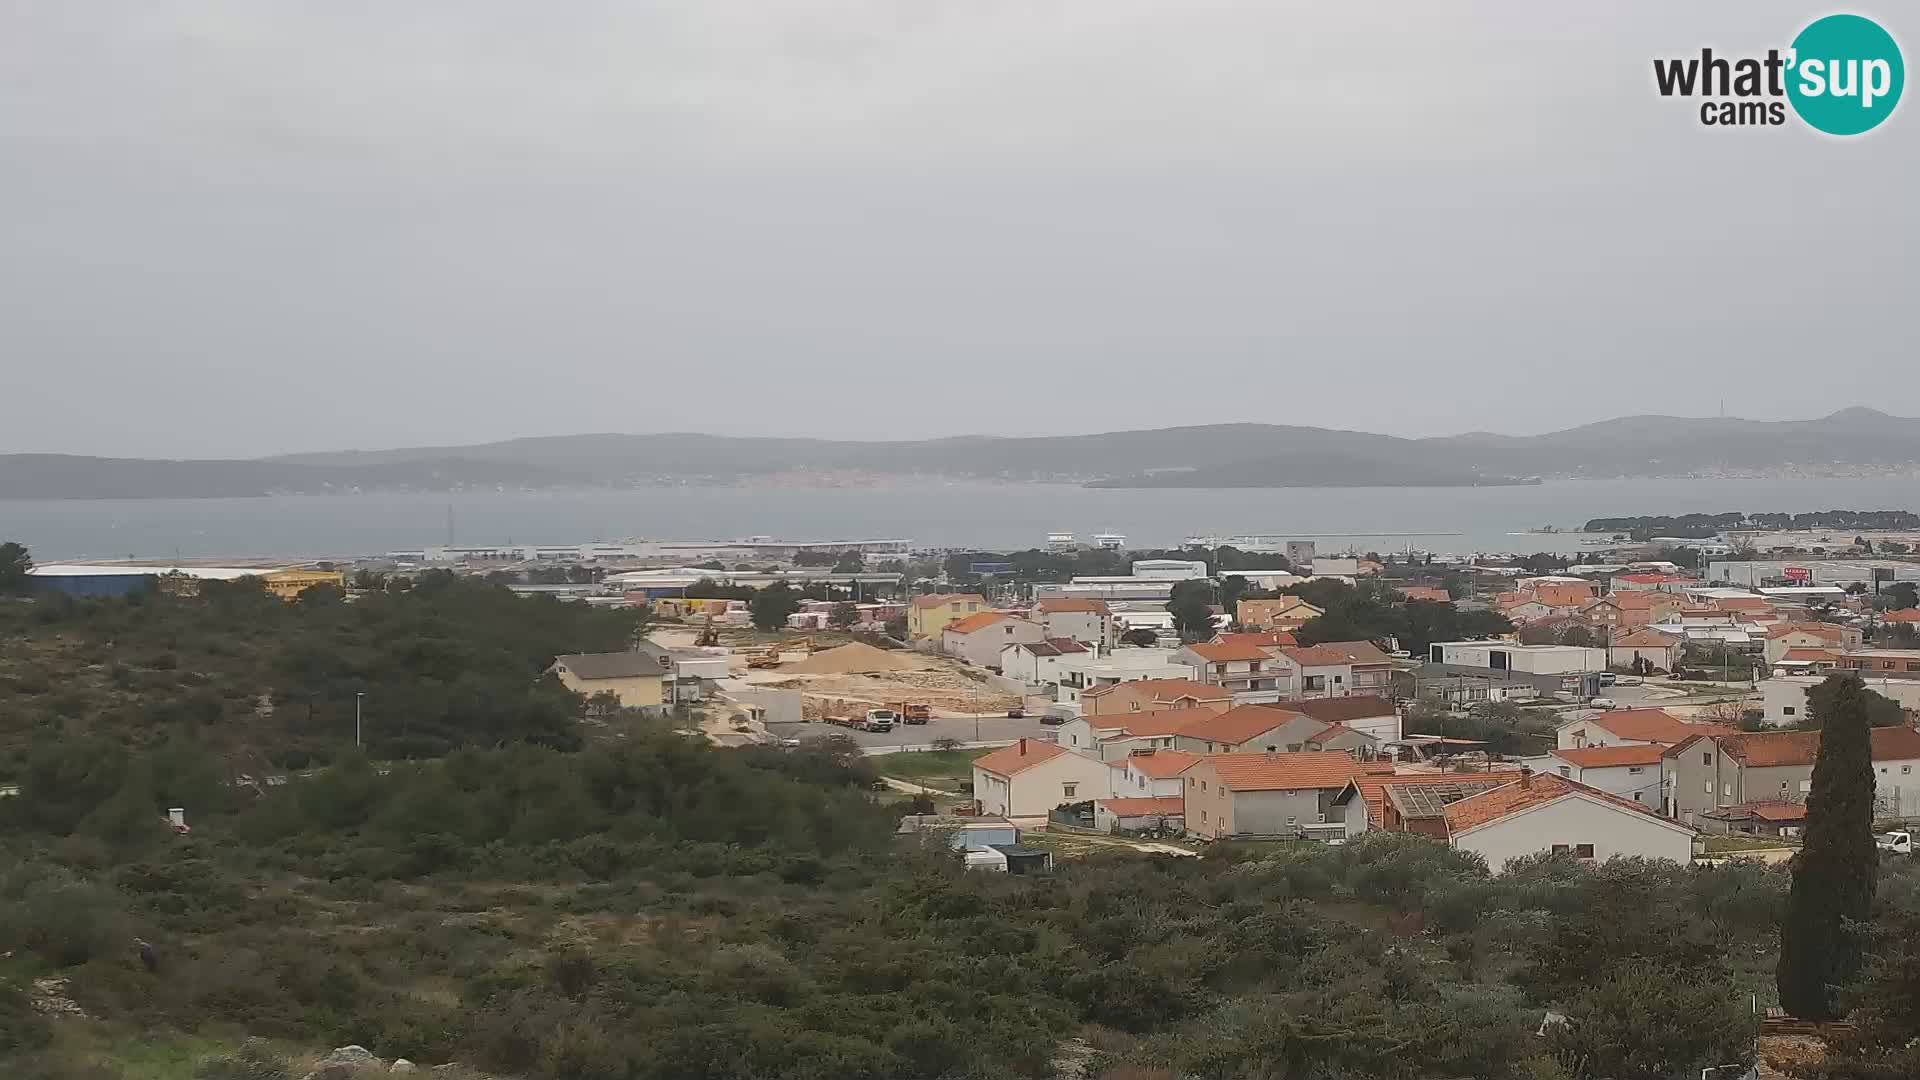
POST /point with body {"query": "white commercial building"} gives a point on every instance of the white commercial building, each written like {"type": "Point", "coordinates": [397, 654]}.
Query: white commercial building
{"type": "Point", "coordinates": [1513, 656]}
{"type": "Point", "coordinates": [1784, 697]}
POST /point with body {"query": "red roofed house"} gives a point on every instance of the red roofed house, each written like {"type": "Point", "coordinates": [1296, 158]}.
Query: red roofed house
{"type": "Point", "coordinates": [1564, 598]}
{"type": "Point", "coordinates": [1756, 819]}
{"type": "Point", "coordinates": [1088, 622]}
{"type": "Point", "coordinates": [1656, 648]}
{"type": "Point", "coordinates": [1112, 738]}
{"type": "Point", "coordinates": [1279, 613]}
{"type": "Point", "coordinates": [1426, 592]}
{"type": "Point", "coordinates": [1244, 669]}
{"type": "Point", "coordinates": [1635, 771]}
{"type": "Point", "coordinates": [1265, 639]}
{"type": "Point", "coordinates": [1031, 777]}
{"type": "Point", "coordinates": [1131, 815]}
{"type": "Point", "coordinates": [978, 638]}
{"type": "Point", "coordinates": [1373, 716]}
{"type": "Point", "coordinates": [1712, 772]}
{"type": "Point", "coordinates": [1249, 729]}
{"type": "Point", "coordinates": [1630, 727]}
{"type": "Point", "coordinates": [1546, 813]}
{"type": "Point", "coordinates": [1151, 772]}
{"type": "Point", "coordinates": [1904, 615]}
{"type": "Point", "coordinates": [1631, 609]}
{"type": "Point", "coordinates": [1268, 795]}
{"type": "Point", "coordinates": [1672, 583]}
{"type": "Point", "coordinates": [1411, 802]}
{"type": "Point", "coordinates": [1339, 668]}
{"type": "Point", "coordinates": [1147, 695]}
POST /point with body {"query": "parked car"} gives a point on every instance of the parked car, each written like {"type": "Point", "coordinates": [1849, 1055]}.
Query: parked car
{"type": "Point", "coordinates": [1016, 713]}
{"type": "Point", "coordinates": [1900, 843]}
{"type": "Point", "coordinates": [1602, 703]}
{"type": "Point", "coordinates": [1051, 719]}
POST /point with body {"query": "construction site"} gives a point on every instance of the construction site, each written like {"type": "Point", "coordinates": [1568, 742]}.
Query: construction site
{"type": "Point", "coordinates": [838, 676]}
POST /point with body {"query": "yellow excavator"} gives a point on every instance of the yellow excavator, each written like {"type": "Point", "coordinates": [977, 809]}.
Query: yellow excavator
{"type": "Point", "coordinates": [709, 635]}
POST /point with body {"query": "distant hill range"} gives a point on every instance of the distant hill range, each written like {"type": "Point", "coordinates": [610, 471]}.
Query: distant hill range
{"type": "Point", "coordinates": [1208, 456]}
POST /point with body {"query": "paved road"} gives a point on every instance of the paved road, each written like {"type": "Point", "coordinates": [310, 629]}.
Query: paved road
{"type": "Point", "coordinates": [994, 728]}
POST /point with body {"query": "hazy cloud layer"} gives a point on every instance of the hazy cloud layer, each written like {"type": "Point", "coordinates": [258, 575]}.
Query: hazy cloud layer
{"type": "Point", "coordinates": [248, 227]}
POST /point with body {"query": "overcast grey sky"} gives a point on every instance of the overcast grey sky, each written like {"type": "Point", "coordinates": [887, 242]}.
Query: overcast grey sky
{"type": "Point", "coordinates": [238, 227]}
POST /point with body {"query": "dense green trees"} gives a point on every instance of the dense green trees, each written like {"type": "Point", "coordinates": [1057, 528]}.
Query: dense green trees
{"type": "Point", "coordinates": [770, 606]}
{"type": "Point", "coordinates": [1191, 605]}
{"type": "Point", "coordinates": [1833, 875]}
{"type": "Point", "coordinates": [449, 662]}
{"type": "Point", "coordinates": [1372, 611]}
{"type": "Point", "coordinates": [15, 562]}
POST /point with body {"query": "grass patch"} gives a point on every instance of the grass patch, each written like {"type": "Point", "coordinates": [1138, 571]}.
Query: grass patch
{"type": "Point", "coordinates": [932, 768]}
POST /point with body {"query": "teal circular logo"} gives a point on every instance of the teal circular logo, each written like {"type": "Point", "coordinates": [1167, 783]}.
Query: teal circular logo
{"type": "Point", "coordinates": [1846, 74]}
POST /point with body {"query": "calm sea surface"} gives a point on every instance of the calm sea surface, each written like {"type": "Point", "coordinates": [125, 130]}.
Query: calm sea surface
{"type": "Point", "coordinates": [971, 515]}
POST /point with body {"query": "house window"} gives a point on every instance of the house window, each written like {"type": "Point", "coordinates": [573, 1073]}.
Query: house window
{"type": "Point", "coordinates": [1203, 817]}
{"type": "Point", "coordinates": [1069, 789]}
{"type": "Point", "coordinates": [1706, 758]}
{"type": "Point", "coordinates": [1584, 851]}
{"type": "Point", "coordinates": [1787, 711]}
{"type": "Point", "coordinates": [1726, 791]}
{"type": "Point", "coordinates": [1560, 848]}
{"type": "Point", "coordinates": [1631, 769]}
{"type": "Point", "coordinates": [1806, 785]}
{"type": "Point", "coordinates": [1564, 771]}
{"type": "Point", "coordinates": [1636, 797]}
{"type": "Point", "coordinates": [1707, 787]}
{"type": "Point", "coordinates": [1906, 770]}
{"type": "Point", "coordinates": [1339, 678]}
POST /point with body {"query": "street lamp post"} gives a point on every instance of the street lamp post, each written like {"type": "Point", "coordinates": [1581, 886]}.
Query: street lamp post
{"type": "Point", "coordinates": [358, 696]}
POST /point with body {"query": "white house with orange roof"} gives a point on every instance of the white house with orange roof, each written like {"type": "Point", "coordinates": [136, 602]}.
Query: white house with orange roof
{"type": "Point", "coordinates": [1031, 777]}
{"type": "Point", "coordinates": [1151, 772]}
{"type": "Point", "coordinates": [1810, 635]}
{"type": "Point", "coordinates": [1633, 771]}
{"type": "Point", "coordinates": [1268, 795]}
{"type": "Point", "coordinates": [979, 638]}
{"type": "Point", "coordinates": [1631, 727]}
{"type": "Point", "coordinates": [1627, 650]}
{"type": "Point", "coordinates": [1540, 813]}
{"type": "Point", "coordinates": [1111, 737]}
{"type": "Point", "coordinates": [1242, 668]}
{"type": "Point", "coordinates": [1148, 695]}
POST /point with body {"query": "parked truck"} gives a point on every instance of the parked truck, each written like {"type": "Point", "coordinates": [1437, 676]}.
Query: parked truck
{"type": "Point", "coordinates": [879, 720]}
{"type": "Point", "coordinates": [1900, 843]}
{"type": "Point", "coordinates": [914, 712]}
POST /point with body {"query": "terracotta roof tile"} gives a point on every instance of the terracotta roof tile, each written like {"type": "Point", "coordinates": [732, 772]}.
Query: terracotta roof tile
{"type": "Point", "coordinates": [1425, 592]}
{"type": "Point", "coordinates": [1019, 757]}
{"type": "Point", "coordinates": [1330, 653]}
{"type": "Point", "coordinates": [1825, 630]}
{"type": "Point", "coordinates": [1142, 725]}
{"type": "Point", "coordinates": [1530, 791]}
{"type": "Point", "coordinates": [1646, 639]}
{"type": "Point", "coordinates": [976, 622]}
{"type": "Point", "coordinates": [1282, 772]}
{"type": "Point", "coordinates": [1218, 652]}
{"type": "Point", "coordinates": [1653, 725]}
{"type": "Point", "coordinates": [1165, 690]}
{"type": "Point", "coordinates": [1770, 749]}
{"type": "Point", "coordinates": [1237, 725]}
{"type": "Point", "coordinates": [1060, 605]}
{"type": "Point", "coordinates": [1807, 653]}
{"type": "Point", "coordinates": [1160, 764]}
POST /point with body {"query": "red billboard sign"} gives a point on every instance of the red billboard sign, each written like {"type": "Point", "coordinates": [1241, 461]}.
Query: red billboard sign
{"type": "Point", "coordinates": [1798, 573]}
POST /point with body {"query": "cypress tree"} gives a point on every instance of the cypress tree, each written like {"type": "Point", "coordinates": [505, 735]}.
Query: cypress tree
{"type": "Point", "coordinates": [1833, 876]}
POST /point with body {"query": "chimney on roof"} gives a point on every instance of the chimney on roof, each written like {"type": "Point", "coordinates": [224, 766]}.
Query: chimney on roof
{"type": "Point", "coordinates": [1023, 747]}
{"type": "Point", "coordinates": [1526, 777]}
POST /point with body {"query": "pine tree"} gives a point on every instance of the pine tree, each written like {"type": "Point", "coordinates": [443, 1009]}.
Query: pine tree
{"type": "Point", "coordinates": [1833, 876]}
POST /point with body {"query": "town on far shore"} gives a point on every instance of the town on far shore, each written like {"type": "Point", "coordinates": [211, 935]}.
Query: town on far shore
{"type": "Point", "coordinates": [1651, 695]}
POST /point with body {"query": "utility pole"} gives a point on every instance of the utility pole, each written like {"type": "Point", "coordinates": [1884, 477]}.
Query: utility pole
{"type": "Point", "coordinates": [358, 697]}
